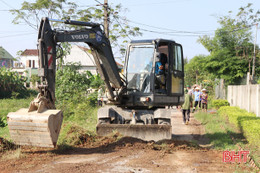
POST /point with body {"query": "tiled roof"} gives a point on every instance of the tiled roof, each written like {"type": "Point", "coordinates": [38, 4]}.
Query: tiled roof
{"type": "Point", "coordinates": [30, 52]}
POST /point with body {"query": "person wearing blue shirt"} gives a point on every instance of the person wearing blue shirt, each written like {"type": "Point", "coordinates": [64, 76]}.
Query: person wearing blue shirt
{"type": "Point", "coordinates": [196, 94]}
{"type": "Point", "coordinates": [158, 67]}
{"type": "Point", "coordinates": [160, 72]}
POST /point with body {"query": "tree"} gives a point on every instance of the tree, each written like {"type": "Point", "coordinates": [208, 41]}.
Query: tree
{"type": "Point", "coordinates": [195, 71]}
{"type": "Point", "coordinates": [231, 48]}
{"type": "Point", "coordinates": [31, 14]}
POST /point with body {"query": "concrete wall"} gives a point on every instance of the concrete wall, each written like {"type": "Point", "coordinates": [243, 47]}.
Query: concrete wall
{"type": "Point", "coordinates": [246, 97]}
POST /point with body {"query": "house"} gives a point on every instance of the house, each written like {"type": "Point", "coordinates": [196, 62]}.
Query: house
{"type": "Point", "coordinates": [78, 54]}
{"type": "Point", "coordinates": [29, 58]}
{"type": "Point", "coordinates": [82, 55]}
{"type": "Point", "coordinates": [6, 59]}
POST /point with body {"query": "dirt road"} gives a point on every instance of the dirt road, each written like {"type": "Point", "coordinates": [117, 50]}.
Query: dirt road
{"type": "Point", "coordinates": [129, 155]}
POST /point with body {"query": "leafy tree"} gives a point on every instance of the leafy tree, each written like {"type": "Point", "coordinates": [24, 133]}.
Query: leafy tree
{"type": "Point", "coordinates": [31, 14]}
{"type": "Point", "coordinates": [195, 71]}
{"type": "Point", "coordinates": [231, 48]}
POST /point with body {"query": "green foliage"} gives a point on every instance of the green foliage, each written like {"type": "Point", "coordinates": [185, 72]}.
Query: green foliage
{"type": "Point", "coordinates": [195, 71]}
{"type": "Point", "coordinates": [219, 103]}
{"type": "Point", "coordinates": [10, 105]}
{"type": "Point", "coordinates": [80, 121]}
{"type": "Point", "coordinates": [73, 134]}
{"type": "Point", "coordinates": [11, 82]}
{"type": "Point", "coordinates": [247, 122]}
{"type": "Point", "coordinates": [218, 131]}
{"type": "Point", "coordinates": [3, 121]}
{"type": "Point", "coordinates": [32, 12]}
{"type": "Point", "coordinates": [258, 81]}
{"type": "Point", "coordinates": [78, 106]}
{"type": "Point", "coordinates": [251, 129]}
{"type": "Point", "coordinates": [231, 48]}
{"type": "Point", "coordinates": [35, 78]}
{"type": "Point", "coordinates": [70, 84]}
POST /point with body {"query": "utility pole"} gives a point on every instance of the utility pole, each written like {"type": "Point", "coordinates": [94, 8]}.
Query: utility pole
{"type": "Point", "coordinates": [253, 67]}
{"type": "Point", "coordinates": [106, 18]}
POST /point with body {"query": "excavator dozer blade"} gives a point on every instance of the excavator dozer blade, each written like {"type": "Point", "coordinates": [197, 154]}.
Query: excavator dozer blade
{"type": "Point", "coordinates": [145, 132]}
{"type": "Point", "coordinates": [35, 129]}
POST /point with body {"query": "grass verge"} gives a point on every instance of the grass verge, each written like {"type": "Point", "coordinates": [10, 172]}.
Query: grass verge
{"type": "Point", "coordinates": [10, 105]}
{"type": "Point", "coordinates": [219, 132]}
{"type": "Point", "coordinates": [226, 136]}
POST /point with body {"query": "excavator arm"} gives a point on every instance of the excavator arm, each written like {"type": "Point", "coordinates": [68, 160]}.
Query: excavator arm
{"type": "Point", "coordinates": [101, 50]}
{"type": "Point", "coordinates": [41, 123]}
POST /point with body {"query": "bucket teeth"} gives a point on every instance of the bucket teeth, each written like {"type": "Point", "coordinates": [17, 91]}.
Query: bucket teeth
{"type": "Point", "coordinates": [35, 129]}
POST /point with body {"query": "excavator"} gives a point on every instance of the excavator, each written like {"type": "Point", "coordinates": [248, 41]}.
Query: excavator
{"type": "Point", "coordinates": [139, 96]}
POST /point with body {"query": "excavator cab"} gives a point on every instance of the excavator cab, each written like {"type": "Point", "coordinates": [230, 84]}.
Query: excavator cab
{"type": "Point", "coordinates": [154, 73]}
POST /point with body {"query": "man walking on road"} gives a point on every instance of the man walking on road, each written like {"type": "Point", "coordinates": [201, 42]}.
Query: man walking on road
{"type": "Point", "coordinates": [186, 107]}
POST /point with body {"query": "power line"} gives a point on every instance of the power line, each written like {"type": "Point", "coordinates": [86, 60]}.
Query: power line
{"type": "Point", "coordinates": [6, 4]}
{"type": "Point", "coordinates": [168, 29]}
{"type": "Point", "coordinates": [15, 35]}
{"type": "Point", "coordinates": [122, 27]}
{"type": "Point", "coordinates": [171, 34]}
{"type": "Point", "coordinates": [157, 3]}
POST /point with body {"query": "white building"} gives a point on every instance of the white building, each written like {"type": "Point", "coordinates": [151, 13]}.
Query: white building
{"type": "Point", "coordinates": [29, 58]}
{"type": "Point", "coordinates": [78, 54]}
{"type": "Point", "coordinates": [82, 55]}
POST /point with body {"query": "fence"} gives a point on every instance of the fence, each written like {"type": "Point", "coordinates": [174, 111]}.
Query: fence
{"type": "Point", "coordinates": [246, 97]}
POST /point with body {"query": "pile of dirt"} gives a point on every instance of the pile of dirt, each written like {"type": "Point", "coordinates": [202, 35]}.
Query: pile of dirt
{"type": "Point", "coordinates": [117, 141]}
{"type": "Point", "coordinates": [6, 145]}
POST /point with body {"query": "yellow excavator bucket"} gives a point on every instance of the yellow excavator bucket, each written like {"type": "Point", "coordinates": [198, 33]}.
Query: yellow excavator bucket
{"type": "Point", "coordinates": [35, 129]}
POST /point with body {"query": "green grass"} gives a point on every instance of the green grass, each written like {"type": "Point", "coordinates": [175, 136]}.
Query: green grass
{"type": "Point", "coordinates": [219, 132]}
{"type": "Point", "coordinates": [79, 119]}
{"type": "Point", "coordinates": [4, 133]}
{"type": "Point", "coordinates": [11, 105]}
{"type": "Point", "coordinates": [247, 123]}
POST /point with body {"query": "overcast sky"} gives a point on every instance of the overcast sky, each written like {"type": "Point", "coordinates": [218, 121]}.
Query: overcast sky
{"type": "Point", "coordinates": [179, 20]}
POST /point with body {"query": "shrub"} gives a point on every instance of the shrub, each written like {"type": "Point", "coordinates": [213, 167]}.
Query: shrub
{"type": "Point", "coordinates": [219, 103]}
{"type": "Point", "coordinates": [251, 129]}
{"type": "Point", "coordinates": [71, 83]}
{"type": "Point", "coordinates": [247, 122]}
{"type": "Point", "coordinates": [3, 122]}
{"type": "Point", "coordinates": [11, 82]}
{"type": "Point", "coordinates": [71, 88]}
{"type": "Point", "coordinates": [35, 78]}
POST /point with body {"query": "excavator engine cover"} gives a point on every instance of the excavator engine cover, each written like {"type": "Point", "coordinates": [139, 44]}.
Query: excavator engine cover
{"type": "Point", "coordinates": [35, 129]}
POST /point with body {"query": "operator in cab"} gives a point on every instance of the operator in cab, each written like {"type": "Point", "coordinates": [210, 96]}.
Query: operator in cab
{"type": "Point", "coordinates": [160, 73]}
